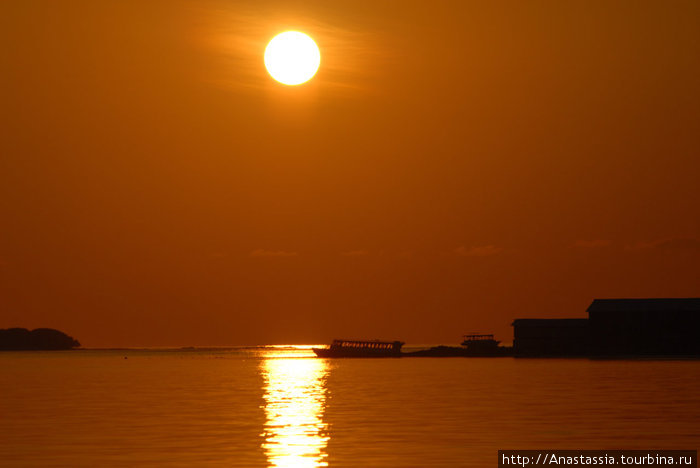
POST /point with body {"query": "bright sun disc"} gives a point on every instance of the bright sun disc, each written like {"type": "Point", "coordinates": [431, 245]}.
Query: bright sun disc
{"type": "Point", "coordinates": [292, 58]}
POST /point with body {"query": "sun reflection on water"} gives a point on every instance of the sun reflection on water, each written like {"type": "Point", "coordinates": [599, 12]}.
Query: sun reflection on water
{"type": "Point", "coordinates": [295, 396]}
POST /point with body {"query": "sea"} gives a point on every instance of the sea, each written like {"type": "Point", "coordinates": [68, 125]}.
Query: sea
{"type": "Point", "coordinates": [279, 406]}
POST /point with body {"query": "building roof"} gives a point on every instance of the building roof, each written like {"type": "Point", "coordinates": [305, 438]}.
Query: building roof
{"type": "Point", "coordinates": [566, 322]}
{"type": "Point", "coordinates": [645, 305]}
{"type": "Point", "coordinates": [365, 342]}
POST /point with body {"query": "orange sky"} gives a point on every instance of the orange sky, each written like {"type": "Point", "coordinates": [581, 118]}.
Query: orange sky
{"type": "Point", "coordinates": [451, 167]}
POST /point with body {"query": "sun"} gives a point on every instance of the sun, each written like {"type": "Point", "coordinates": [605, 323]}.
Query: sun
{"type": "Point", "coordinates": [292, 58]}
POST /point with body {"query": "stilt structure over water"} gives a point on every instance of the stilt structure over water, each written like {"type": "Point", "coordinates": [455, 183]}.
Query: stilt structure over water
{"type": "Point", "coordinates": [659, 327]}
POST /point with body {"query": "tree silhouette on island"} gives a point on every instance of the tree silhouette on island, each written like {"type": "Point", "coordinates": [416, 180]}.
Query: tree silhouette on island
{"type": "Point", "coordinates": [40, 339]}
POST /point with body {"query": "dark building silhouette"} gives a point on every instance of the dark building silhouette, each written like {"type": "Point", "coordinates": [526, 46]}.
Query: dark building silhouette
{"type": "Point", "coordinates": [550, 337]}
{"type": "Point", "coordinates": [645, 327]}
{"type": "Point", "coordinates": [615, 328]}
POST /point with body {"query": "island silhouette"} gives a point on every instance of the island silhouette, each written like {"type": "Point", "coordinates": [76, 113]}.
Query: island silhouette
{"type": "Point", "coordinates": [39, 339]}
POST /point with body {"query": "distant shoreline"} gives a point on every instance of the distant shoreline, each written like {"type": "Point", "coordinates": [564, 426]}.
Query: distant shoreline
{"type": "Point", "coordinates": [39, 339]}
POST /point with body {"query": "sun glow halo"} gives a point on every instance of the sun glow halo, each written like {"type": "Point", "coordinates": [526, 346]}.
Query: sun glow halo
{"type": "Point", "coordinates": [292, 58]}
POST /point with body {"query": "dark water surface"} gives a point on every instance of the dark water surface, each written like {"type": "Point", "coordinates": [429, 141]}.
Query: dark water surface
{"type": "Point", "coordinates": [281, 407]}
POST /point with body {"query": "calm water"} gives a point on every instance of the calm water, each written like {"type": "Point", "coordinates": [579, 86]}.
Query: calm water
{"type": "Point", "coordinates": [283, 408]}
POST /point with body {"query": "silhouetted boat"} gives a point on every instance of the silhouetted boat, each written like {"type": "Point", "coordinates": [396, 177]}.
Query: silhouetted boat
{"type": "Point", "coordinates": [361, 349]}
{"type": "Point", "coordinates": [480, 343]}
{"type": "Point", "coordinates": [472, 346]}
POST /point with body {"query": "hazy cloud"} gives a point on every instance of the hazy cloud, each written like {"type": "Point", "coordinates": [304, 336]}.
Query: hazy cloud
{"type": "Point", "coordinates": [355, 253]}
{"type": "Point", "coordinates": [675, 243]}
{"type": "Point", "coordinates": [592, 244]}
{"type": "Point", "coordinates": [272, 253]}
{"type": "Point", "coordinates": [478, 251]}
{"type": "Point", "coordinates": [238, 35]}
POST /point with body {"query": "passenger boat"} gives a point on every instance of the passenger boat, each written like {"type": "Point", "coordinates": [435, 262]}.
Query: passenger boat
{"type": "Point", "coordinates": [361, 349]}
{"type": "Point", "coordinates": [480, 343]}
{"type": "Point", "coordinates": [472, 346]}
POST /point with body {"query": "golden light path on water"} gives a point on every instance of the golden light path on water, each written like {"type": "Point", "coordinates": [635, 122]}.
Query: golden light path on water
{"type": "Point", "coordinates": [295, 396]}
